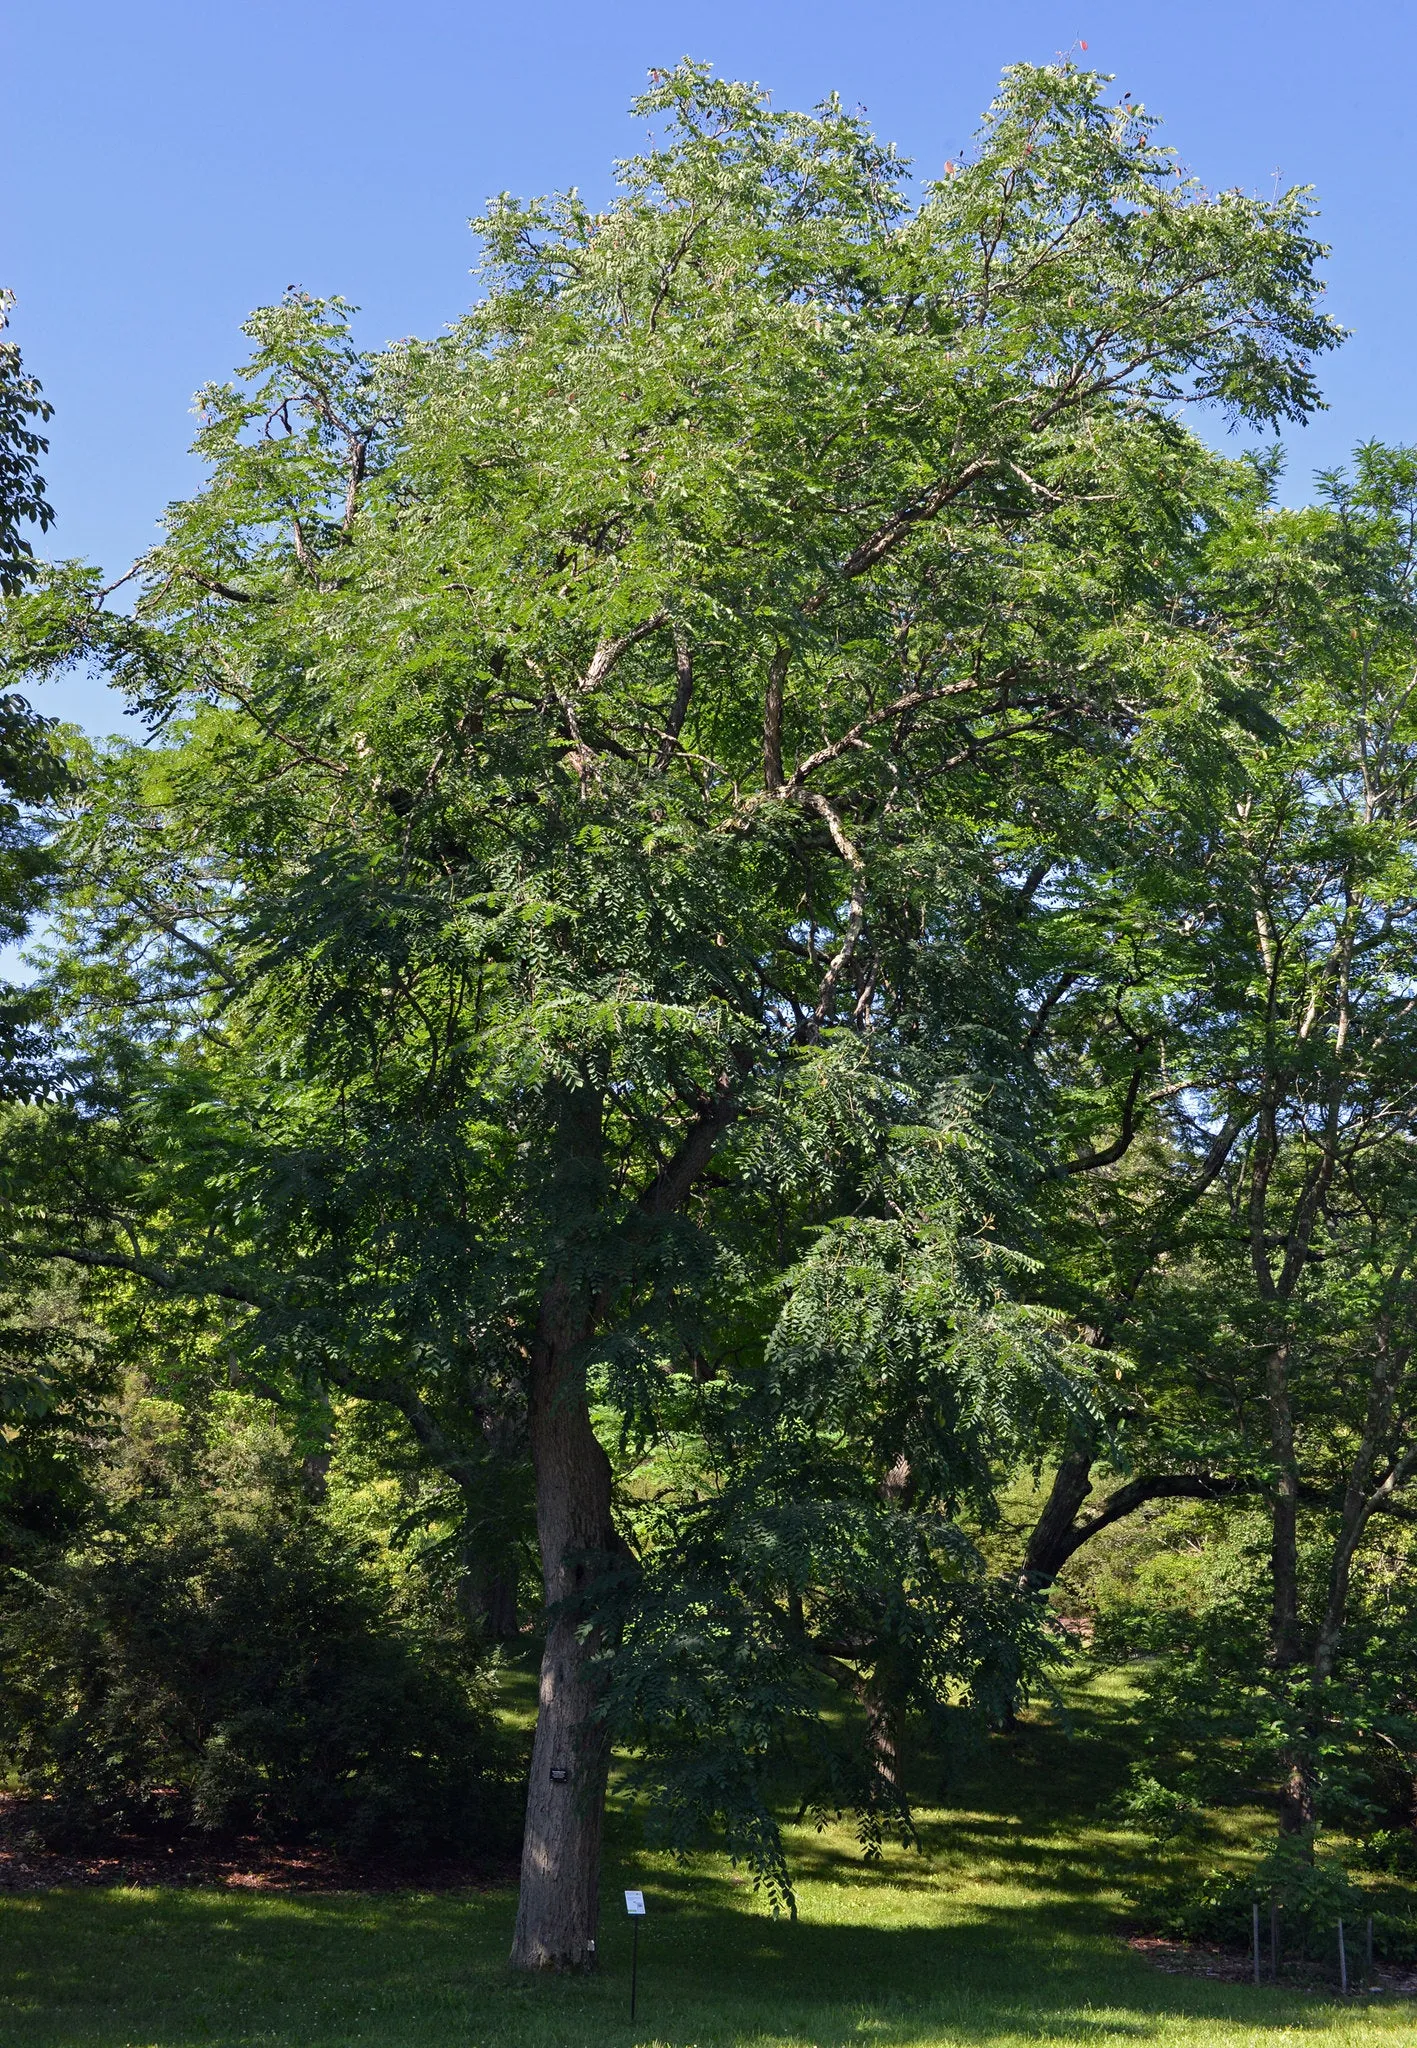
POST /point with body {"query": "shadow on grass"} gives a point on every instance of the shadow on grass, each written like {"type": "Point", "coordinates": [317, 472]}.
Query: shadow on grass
{"type": "Point", "coordinates": [169, 1970]}
{"type": "Point", "coordinates": [1002, 1932]}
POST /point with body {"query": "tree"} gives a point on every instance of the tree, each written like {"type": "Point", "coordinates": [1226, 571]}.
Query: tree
{"type": "Point", "coordinates": [599, 747]}
{"type": "Point", "coordinates": [1251, 1237]}
{"type": "Point", "coordinates": [50, 1383]}
{"type": "Point", "coordinates": [1324, 853]}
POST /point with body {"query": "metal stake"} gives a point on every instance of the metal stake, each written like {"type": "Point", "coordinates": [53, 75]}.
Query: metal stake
{"type": "Point", "coordinates": [1342, 1961]}
{"type": "Point", "coordinates": [1370, 1945]}
{"type": "Point", "coordinates": [634, 1967]}
{"type": "Point", "coordinates": [1255, 1910]}
{"type": "Point", "coordinates": [1274, 1941]}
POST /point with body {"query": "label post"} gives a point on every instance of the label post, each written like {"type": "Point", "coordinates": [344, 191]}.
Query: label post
{"type": "Point", "coordinates": [635, 1908]}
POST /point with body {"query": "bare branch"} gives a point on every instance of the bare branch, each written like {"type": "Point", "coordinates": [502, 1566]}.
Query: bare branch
{"type": "Point", "coordinates": [684, 667]}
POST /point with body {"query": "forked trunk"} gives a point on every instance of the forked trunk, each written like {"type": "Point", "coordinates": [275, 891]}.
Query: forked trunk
{"type": "Point", "coordinates": [1049, 1546]}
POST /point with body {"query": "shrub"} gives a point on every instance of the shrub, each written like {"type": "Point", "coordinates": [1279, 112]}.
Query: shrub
{"type": "Point", "coordinates": [228, 1675]}
{"type": "Point", "coordinates": [1313, 1893]}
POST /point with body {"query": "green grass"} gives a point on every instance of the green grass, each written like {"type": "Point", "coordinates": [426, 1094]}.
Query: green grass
{"type": "Point", "coordinates": [1005, 1931]}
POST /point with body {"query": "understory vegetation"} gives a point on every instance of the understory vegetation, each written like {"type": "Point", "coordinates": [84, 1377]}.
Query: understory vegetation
{"type": "Point", "coordinates": [216, 1653]}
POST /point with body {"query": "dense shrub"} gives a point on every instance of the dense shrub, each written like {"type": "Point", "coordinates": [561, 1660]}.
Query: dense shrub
{"type": "Point", "coordinates": [226, 1674]}
{"type": "Point", "coordinates": [1311, 1892]}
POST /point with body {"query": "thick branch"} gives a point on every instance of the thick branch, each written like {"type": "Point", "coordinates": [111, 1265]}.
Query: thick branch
{"type": "Point", "coordinates": [856, 917]}
{"type": "Point", "coordinates": [1089, 1161]}
{"type": "Point", "coordinates": [676, 1177]}
{"type": "Point", "coordinates": [142, 1269]}
{"type": "Point", "coordinates": [1137, 1492]}
{"type": "Point", "coordinates": [609, 651]}
{"type": "Point", "coordinates": [219, 589]}
{"type": "Point", "coordinates": [853, 739]}
{"type": "Point", "coordinates": [684, 668]}
{"type": "Point", "coordinates": [898, 527]}
{"type": "Point", "coordinates": [431, 1437]}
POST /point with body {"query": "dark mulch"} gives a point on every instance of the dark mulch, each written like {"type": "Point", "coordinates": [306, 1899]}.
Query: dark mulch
{"type": "Point", "coordinates": [1232, 1966]}
{"type": "Point", "coordinates": [26, 1865]}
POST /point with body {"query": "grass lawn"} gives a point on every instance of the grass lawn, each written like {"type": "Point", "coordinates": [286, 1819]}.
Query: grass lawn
{"type": "Point", "coordinates": [1005, 1931]}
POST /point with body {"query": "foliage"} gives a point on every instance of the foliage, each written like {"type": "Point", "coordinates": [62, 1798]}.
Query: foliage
{"type": "Point", "coordinates": [218, 1659]}
{"type": "Point", "coordinates": [1311, 1893]}
{"type": "Point", "coordinates": [56, 1383]}
{"type": "Point", "coordinates": [22, 499]}
{"type": "Point", "coordinates": [684, 819]}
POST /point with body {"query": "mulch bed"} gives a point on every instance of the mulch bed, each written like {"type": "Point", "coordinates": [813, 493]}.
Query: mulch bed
{"type": "Point", "coordinates": [1232, 1966]}
{"type": "Point", "coordinates": [26, 1865]}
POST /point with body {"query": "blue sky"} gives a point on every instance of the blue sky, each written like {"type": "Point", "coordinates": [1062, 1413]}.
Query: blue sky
{"type": "Point", "coordinates": [167, 166]}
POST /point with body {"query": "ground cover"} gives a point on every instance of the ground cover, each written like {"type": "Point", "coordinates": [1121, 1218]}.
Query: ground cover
{"type": "Point", "coordinates": [1009, 1929]}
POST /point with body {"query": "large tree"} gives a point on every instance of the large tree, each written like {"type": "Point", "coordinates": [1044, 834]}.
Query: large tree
{"type": "Point", "coordinates": [605, 753]}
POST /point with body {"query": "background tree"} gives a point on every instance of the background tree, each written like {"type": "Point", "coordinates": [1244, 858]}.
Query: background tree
{"type": "Point", "coordinates": [1249, 1239]}
{"type": "Point", "coordinates": [51, 1379]}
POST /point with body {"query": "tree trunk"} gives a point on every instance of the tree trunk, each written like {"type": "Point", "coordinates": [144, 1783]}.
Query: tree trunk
{"type": "Point", "coordinates": [1357, 1504]}
{"type": "Point", "coordinates": [1285, 1645]}
{"type": "Point", "coordinates": [487, 1598]}
{"type": "Point", "coordinates": [559, 1904]}
{"type": "Point", "coordinates": [882, 1700]}
{"type": "Point", "coordinates": [497, 1600]}
{"type": "Point", "coordinates": [1296, 1798]}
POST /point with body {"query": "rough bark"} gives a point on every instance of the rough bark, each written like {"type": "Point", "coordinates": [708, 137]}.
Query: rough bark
{"type": "Point", "coordinates": [1286, 1646]}
{"type": "Point", "coordinates": [558, 1906]}
{"type": "Point", "coordinates": [1048, 1547]}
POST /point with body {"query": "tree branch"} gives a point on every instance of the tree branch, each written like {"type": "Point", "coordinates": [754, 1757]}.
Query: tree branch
{"type": "Point", "coordinates": [897, 528]}
{"type": "Point", "coordinates": [772, 722]}
{"type": "Point", "coordinates": [1089, 1161]}
{"type": "Point", "coordinates": [142, 1269]}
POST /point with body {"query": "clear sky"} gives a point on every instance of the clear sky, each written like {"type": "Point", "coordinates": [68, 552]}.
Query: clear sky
{"type": "Point", "coordinates": [170, 163]}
